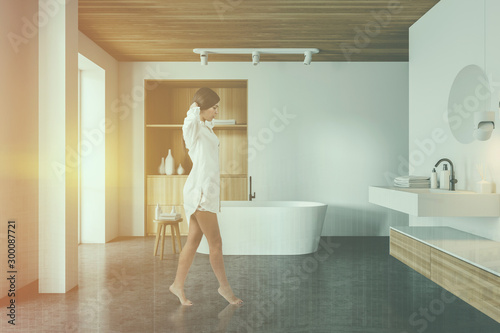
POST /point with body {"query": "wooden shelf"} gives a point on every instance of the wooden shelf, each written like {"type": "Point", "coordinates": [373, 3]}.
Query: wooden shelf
{"type": "Point", "coordinates": [224, 175]}
{"type": "Point", "coordinates": [176, 126]}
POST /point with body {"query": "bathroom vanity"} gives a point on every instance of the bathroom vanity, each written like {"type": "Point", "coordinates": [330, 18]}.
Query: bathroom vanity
{"type": "Point", "coordinates": [464, 264]}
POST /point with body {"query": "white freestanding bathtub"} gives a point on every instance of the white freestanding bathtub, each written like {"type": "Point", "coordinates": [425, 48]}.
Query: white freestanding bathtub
{"type": "Point", "coordinates": [269, 227]}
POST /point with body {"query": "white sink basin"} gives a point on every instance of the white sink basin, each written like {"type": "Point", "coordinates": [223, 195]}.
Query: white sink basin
{"type": "Point", "coordinates": [436, 202]}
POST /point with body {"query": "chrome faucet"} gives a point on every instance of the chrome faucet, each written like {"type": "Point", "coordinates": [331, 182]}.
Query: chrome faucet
{"type": "Point", "coordinates": [250, 196]}
{"type": "Point", "coordinates": [453, 181]}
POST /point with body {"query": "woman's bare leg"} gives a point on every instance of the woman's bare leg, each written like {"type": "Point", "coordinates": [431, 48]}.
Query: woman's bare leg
{"type": "Point", "coordinates": [186, 259]}
{"type": "Point", "coordinates": [210, 227]}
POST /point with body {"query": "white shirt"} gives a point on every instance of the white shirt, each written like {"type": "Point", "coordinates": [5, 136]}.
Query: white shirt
{"type": "Point", "coordinates": [203, 183]}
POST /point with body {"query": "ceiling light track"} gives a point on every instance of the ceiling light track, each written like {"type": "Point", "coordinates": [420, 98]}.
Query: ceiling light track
{"type": "Point", "coordinates": [255, 53]}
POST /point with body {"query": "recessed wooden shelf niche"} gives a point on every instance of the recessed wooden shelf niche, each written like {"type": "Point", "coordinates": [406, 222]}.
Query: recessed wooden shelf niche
{"type": "Point", "coordinates": [165, 107]}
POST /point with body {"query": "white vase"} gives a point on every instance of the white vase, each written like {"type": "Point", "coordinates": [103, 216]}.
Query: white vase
{"type": "Point", "coordinates": [169, 163]}
{"type": "Point", "coordinates": [180, 170]}
{"type": "Point", "coordinates": [157, 211]}
{"type": "Point", "coordinates": [161, 168]}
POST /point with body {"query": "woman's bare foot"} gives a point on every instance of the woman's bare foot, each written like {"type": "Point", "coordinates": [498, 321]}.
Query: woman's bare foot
{"type": "Point", "coordinates": [180, 294]}
{"type": "Point", "coordinates": [227, 293]}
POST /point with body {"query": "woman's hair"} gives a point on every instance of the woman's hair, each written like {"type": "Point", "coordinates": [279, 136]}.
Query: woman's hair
{"type": "Point", "coordinates": [206, 98]}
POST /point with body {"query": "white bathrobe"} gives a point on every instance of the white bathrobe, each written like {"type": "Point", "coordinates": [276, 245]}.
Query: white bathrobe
{"type": "Point", "coordinates": [202, 186]}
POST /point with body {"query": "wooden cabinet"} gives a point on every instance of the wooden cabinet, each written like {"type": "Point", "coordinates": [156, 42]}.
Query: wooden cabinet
{"type": "Point", "coordinates": [166, 105]}
{"type": "Point", "coordinates": [473, 284]}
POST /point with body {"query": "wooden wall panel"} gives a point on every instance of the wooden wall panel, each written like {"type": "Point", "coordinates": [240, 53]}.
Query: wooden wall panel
{"type": "Point", "coordinates": [233, 153]}
{"type": "Point", "coordinates": [234, 188]}
{"type": "Point", "coordinates": [233, 104]}
{"type": "Point", "coordinates": [182, 98]}
{"type": "Point", "coordinates": [158, 142]}
{"type": "Point", "coordinates": [166, 189]}
{"type": "Point", "coordinates": [158, 98]}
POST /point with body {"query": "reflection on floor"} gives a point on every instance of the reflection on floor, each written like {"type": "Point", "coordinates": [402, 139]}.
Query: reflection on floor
{"type": "Point", "coordinates": [350, 285]}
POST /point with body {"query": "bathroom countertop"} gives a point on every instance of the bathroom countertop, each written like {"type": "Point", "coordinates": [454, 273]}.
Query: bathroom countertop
{"type": "Point", "coordinates": [478, 251]}
{"type": "Point", "coordinates": [435, 202]}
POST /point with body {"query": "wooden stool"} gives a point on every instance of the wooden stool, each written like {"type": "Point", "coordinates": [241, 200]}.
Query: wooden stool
{"type": "Point", "coordinates": [160, 230]}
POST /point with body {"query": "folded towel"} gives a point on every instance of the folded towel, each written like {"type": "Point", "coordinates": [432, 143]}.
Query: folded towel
{"type": "Point", "coordinates": [411, 178]}
{"type": "Point", "coordinates": [412, 181]}
{"type": "Point", "coordinates": [169, 215]}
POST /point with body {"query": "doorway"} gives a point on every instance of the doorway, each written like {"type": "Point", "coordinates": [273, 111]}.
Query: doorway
{"type": "Point", "coordinates": [91, 154]}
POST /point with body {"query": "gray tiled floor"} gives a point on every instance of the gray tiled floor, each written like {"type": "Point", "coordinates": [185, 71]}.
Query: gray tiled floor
{"type": "Point", "coordinates": [350, 285]}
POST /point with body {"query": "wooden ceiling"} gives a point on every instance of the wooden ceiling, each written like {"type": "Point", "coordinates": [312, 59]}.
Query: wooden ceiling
{"type": "Point", "coordinates": [169, 30]}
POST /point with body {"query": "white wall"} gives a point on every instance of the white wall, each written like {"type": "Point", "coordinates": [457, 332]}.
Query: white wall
{"type": "Point", "coordinates": [19, 139]}
{"type": "Point", "coordinates": [97, 55]}
{"type": "Point", "coordinates": [449, 37]}
{"type": "Point", "coordinates": [349, 130]}
{"type": "Point", "coordinates": [58, 147]}
{"type": "Point", "coordinates": [92, 152]}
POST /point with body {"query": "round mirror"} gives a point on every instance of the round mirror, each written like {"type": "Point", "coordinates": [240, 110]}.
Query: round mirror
{"type": "Point", "coordinates": [469, 93]}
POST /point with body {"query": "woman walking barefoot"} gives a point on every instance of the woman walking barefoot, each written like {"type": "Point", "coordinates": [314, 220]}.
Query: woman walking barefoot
{"type": "Point", "coordinates": [202, 194]}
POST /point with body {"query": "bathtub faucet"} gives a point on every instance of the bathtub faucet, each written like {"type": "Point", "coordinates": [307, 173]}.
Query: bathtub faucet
{"type": "Point", "coordinates": [250, 196]}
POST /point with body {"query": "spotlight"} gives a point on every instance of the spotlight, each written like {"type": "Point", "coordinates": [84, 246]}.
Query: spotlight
{"type": "Point", "coordinates": [307, 57]}
{"type": "Point", "coordinates": [204, 58]}
{"type": "Point", "coordinates": [255, 58]}
{"type": "Point", "coordinates": [256, 53]}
